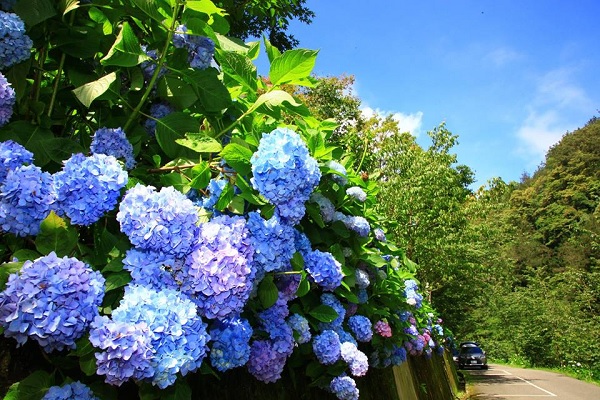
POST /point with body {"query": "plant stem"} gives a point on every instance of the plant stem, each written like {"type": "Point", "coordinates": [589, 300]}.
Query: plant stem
{"type": "Point", "coordinates": [61, 64]}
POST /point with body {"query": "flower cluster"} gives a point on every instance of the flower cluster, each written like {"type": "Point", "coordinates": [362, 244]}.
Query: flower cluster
{"type": "Point", "coordinates": [26, 199]}
{"type": "Point", "coordinates": [327, 347]}
{"type": "Point", "coordinates": [300, 326]}
{"type": "Point", "coordinates": [153, 335]}
{"type": "Point", "coordinates": [200, 48]}
{"type": "Point", "coordinates": [361, 327]}
{"type": "Point", "coordinates": [230, 343]}
{"type": "Point", "coordinates": [215, 188]}
{"type": "Point", "coordinates": [413, 297]}
{"type": "Point", "coordinates": [273, 243]}
{"type": "Point", "coordinates": [285, 173]}
{"type": "Point", "coordinates": [157, 111]}
{"type": "Point", "coordinates": [324, 269]}
{"type": "Point", "coordinates": [357, 361]}
{"type": "Point", "coordinates": [149, 66]}
{"type": "Point", "coordinates": [88, 187]}
{"type": "Point", "coordinates": [357, 193]}
{"type": "Point", "coordinates": [340, 175]}
{"type": "Point", "coordinates": [383, 329]}
{"type": "Point", "coordinates": [113, 142]}
{"type": "Point", "coordinates": [344, 387]}
{"type": "Point", "coordinates": [74, 390]}
{"type": "Point", "coordinates": [266, 363]}
{"type": "Point", "coordinates": [52, 301]}
{"type": "Point", "coordinates": [7, 100]}
{"type": "Point", "coordinates": [12, 155]}
{"type": "Point", "coordinates": [158, 221]}
{"type": "Point", "coordinates": [272, 321]}
{"type": "Point", "coordinates": [357, 224]}
{"type": "Point", "coordinates": [325, 205]}
{"type": "Point", "coordinates": [152, 269]}
{"type": "Point", "coordinates": [15, 45]}
{"type": "Point", "coordinates": [362, 279]}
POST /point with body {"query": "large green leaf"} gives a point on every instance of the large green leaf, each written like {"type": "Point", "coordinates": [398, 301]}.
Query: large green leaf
{"type": "Point", "coordinates": [200, 143]}
{"type": "Point", "coordinates": [56, 236]}
{"type": "Point", "coordinates": [60, 149]}
{"type": "Point", "coordinates": [117, 280]}
{"type": "Point", "coordinates": [158, 10]}
{"type": "Point", "coordinates": [201, 175]}
{"type": "Point", "coordinates": [6, 270]}
{"type": "Point", "coordinates": [238, 157]}
{"type": "Point", "coordinates": [272, 102]}
{"type": "Point", "coordinates": [323, 313]}
{"type": "Point", "coordinates": [32, 12]}
{"type": "Point", "coordinates": [213, 95]}
{"type": "Point", "coordinates": [267, 292]}
{"type": "Point", "coordinates": [179, 93]}
{"type": "Point", "coordinates": [172, 127]}
{"type": "Point", "coordinates": [34, 387]}
{"type": "Point", "coordinates": [239, 67]}
{"type": "Point", "coordinates": [293, 67]}
{"type": "Point", "coordinates": [90, 91]}
{"type": "Point", "coordinates": [204, 6]}
{"type": "Point", "coordinates": [126, 51]}
{"type": "Point", "coordinates": [272, 52]}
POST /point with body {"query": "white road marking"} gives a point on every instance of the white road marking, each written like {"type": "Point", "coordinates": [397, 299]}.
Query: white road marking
{"type": "Point", "coordinates": [549, 394]}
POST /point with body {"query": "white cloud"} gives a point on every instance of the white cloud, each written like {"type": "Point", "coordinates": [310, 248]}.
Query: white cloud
{"type": "Point", "coordinates": [502, 56]}
{"type": "Point", "coordinates": [539, 132]}
{"type": "Point", "coordinates": [407, 122]}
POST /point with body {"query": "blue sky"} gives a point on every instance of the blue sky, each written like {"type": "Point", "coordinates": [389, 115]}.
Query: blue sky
{"type": "Point", "coordinates": [509, 77]}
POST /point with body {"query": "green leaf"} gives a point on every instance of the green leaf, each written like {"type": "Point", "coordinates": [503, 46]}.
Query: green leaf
{"type": "Point", "coordinates": [6, 269]}
{"type": "Point", "coordinates": [344, 291]}
{"type": "Point", "coordinates": [200, 143]}
{"type": "Point", "coordinates": [293, 66]}
{"type": "Point", "coordinates": [201, 175]}
{"type": "Point", "coordinates": [267, 292]}
{"type": "Point", "coordinates": [303, 287]}
{"type": "Point", "coordinates": [172, 127]}
{"type": "Point", "coordinates": [323, 313]}
{"type": "Point", "coordinates": [253, 50]}
{"type": "Point", "coordinates": [179, 391]}
{"type": "Point", "coordinates": [117, 280]}
{"type": "Point", "coordinates": [179, 93]}
{"type": "Point", "coordinates": [66, 6]}
{"type": "Point", "coordinates": [56, 236]}
{"type": "Point", "coordinates": [272, 52]}
{"type": "Point", "coordinates": [248, 193]}
{"type": "Point", "coordinates": [32, 12]}
{"type": "Point", "coordinates": [90, 91]}
{"type": "Point", "coordinates": [26, 254]}
{"type": "Point", "coordinates": [238, 157]}
{"type": "Point", "coordinates": [204, 6]}
{"type": "Point", "coordinates": [126, 50]}
{"type": "Point", "coordinates": [158, 10]}
{"type": "Point", "coordinates": [239, 67]}
{"type": "Point", "coordinates": [87, 364]}
{"type": "Point", "coordinates": [225, 198]}
{"type": "Point", "coordinates": [60, 149]}
{"type": "Point", "coordinates": [35, 386]}
{"type": "Point", "coordinates": [213, 95]}
{"type": "Point", "coordinates": [271, 103]}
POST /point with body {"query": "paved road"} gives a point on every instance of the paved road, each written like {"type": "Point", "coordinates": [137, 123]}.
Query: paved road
{"type": "Point", "coordinates": [500, 382]}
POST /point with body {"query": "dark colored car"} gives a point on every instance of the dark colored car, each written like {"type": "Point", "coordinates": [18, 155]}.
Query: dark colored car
{"type": "Point", "coordinates": [470, 356]}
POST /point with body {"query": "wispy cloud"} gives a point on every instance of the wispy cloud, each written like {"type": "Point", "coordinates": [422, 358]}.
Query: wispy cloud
{"type": "Point", "coordinates": [502, 56]}
{"type": "Point", "coordinates": [407, 122]}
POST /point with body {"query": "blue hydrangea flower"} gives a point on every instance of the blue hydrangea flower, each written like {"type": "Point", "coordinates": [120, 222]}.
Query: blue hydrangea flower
{"type": "Point", "coordinates": [361, 327]}
{"type": "Point", "coordinates": [158, 221]}
{"type": "Point", "coordinates": [302, 243]}
{"type": "Point", "coordinates": [357, 361]}
{"type": "Point", "coordinates": [200, 48]}
{"type": "Point", "coordinates": [272, 321]}
{"type": "Point", "coordinates": [413, 297]}
{"type": "Point", "coordinates": [73, 390]}
{"type": "Point", "coordinates": [273, 243]}
{"type": "Point", "coordinates": [325, 205]}
{"type": "Point", "coordinates": [345, 336]}
{"type": "Point", "coordinates": [340, 176]}
{"type": "Point", "coordinates": [285, 173]}
{"type": "Point", "coordinates": [379, 234]}
{"type": "Point", "coordinates": [88, 187]}
{"type": "Point", "coordinates": [215, 188]}
{"type": "Point", "coordinates": [7, 100]}
{"type": "Point", "coordinates": [178, 336]}
{"type": "Point", "coordinates": [12, 155]}
{"type": "Point", "coordinates": [398, 355]}
{"type": "Point", "coordinates": [300, 326]}
{"type": "Point", "coordinates": [344, 388]}
{"type": "Point", "coordinates": [362, 279]}
{"type": "Point", "coordinates": [157, 111]}
{"type": "Point", "coordinates": [357, 193]}
{"type": "Point", "coordinates": [15, 45]}
{"type": "Point", "coordinates": [113, 142]}
{"type": "Point", "coordinates": [51, 300]}
{"type": "Point", "coordinates": [324, 269]}
{"type": "Point", "coordinates": [231, 343]}
{"type": "Point", "coordinates": [363, 296]}
{"type": "Point", "coordinates": [329, 299]}
{"type": "Point", "coordinates": [153, 269]}
{"type": "Point", "coordinates": [327, 347]}
{"type": "Point", "coordinates": [26, 199]}
{"type": "Point", "coordinates": [288, 285]}
{"type": "Point", "coordinates": [266, 364]}
{"type": "Point", "coordinates": [219, 274]}
{"type": "Point", "coordinates": [149, 66]}
{"type": "Point", "coordinates": [357, 224]}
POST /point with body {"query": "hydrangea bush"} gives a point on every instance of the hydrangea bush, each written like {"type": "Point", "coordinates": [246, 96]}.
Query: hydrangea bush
{"type": "Point", "coordinates": [167, 214]}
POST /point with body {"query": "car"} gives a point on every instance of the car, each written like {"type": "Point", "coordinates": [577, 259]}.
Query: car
{"type": "Point", "coordinates": [470, 356]}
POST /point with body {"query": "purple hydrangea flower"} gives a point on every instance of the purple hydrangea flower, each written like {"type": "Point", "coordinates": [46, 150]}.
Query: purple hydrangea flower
{"type": "Point", "coordinates": [113, 142]}
{"type": "Point", "coordinates": [26, 199]}
{"type": "Point", "coordinates": [325, 205]}
{"type": "Point", "coordinates": [157, 111]}
{"type": "Point", "coordinates": [324, 269]}
{"type": "Point", "coordinates": [158, 221]}
{"type": "Point", "coordinates": [15, 45]}
{"type": "Point", "coordinates": [379, 234]}
{"type": "Point", "coordinates": [327, 347]}
{"type": "Point", "coordinates": [340, 176]}
{"type": "Point", "coordinates": [272, 321]}
{"type": "Point", "coordinates": [288, 285]}
{"type": "Point", "coordinates": [73, 390]}
{"type": "Point", "coordinates": [357, 193]}
{"type": "Point", "coordinates": [231, 343]}
{"type": "Point", "coordinates": [51, 300]}
{"type": "Point", "coordinates": [12, 155]}
{"type": "Point", "coordinates": [88, 187]}
{"type": "Point", "coordinates": [200, 48]}
{"type": "Point", "coordinates": [383, 329]}
{"type": "Point", "coordinates": [273, 243]}
{"type": "Point", "coordinates": [219, 274]}
{"type": "Point", "coordinates": [285, 173]}
{"type": "Point", "coordinates": [266, 363]}
{"type": "Point", "coordinates": [300, 326]}
{"type": "Point", "coordinates": [357, 361]}
{"type": "Point", "coordinates": [344, 388]}
{"type": "Point", "coordinates": [152, 269]}
{"type": "Point", "coordinates": [361, 327]}
{"type": "Point", "coordinates": [7, 100]}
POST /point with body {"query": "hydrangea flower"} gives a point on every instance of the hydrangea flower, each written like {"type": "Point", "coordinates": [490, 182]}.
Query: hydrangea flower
{"type": "Point", "coordinates": [398, 355]}
{"type": "Point", "coordinates": [357, 224]}
{"type": "Point", "coordinates": [362, 279]}
{"type": "Point", "coordinates": [158, 221]}
{"type": "Point", "coordinates": [219, 274]}
{"type": "Point", "coordinates": [329, 299]}
{"type": "Point", "coordinates": [51, 300]}
{"type": "Point", "coordinates": [379, 234]}
{"type": "Point", "coordinates": [265, 364]}
{"type": "Point", "coordinates": [200, 48]}
{"type": "Point", "coordinates": [153, 269]}
{"type": "Point", "coordinates": [149, 66]}
{"type": "Point", "coordinates": [26, 199]}
{"type": "Point", "coordinates": [88, 187]}
{"type": "Point", "coordinates": [357, 193]}
{"type": "Point", "coordinates": [344, 388]}
{"type": "Point", "coordinates": [7, 100]}
{"type": "Point", "coordinates": [363, 296]}
{"type": "Point", "coordinates": [300, 326]}
{"type": "Point", "coordinates": [288, 285]}
{"type": "Point", "coordinates": [157, 111]}
{"type": "Point", "coordinates": [113, 142]}
{"type": "Point", "coordinates": [178, 337]}
{"type": "Point", "coordinates": [327, 347]}
{"type": "Point", "coordinates": [285, 173]}
{"type": "Point", "coordinates": [15, 45]}
{"type": "Point", "coordinates": [383, 329]}
{"type": "Point", "coordinates": [215, 188]}
{"type": "Point", "coordinates": [272, 321]}
{"type": "Point", "coordinates": [12, 155]}
{"type": "Point", "coordinates": [361, 327]}
{"type": "Point", "coordinates": [324, 269]}
{"type": "Point", "coordinates": [413, 297]}
{"type": "Point", "coordinates": [273, 243]}
{"type": "Point", "coordinates": [345, 336]}
{"type": "Point", "coordinates": [325, 205]}
{"type": "Point", "coordinates": [231, 343]}
{"type": "Point", "coordinates": [302, 243]}
{"type": "Point", "coordinates": [357, 361]}
{"type": "Point", "coordinates": [340, 177]}
{"type": "Point", "coordinates": [73, 390]}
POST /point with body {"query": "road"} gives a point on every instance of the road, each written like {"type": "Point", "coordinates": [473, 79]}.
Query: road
{"type": "Point", "coordinates": [501, 382]}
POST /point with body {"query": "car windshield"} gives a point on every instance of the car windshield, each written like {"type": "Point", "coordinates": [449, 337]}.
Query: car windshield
{"type": "Point", "coordinates": [471, 350]}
